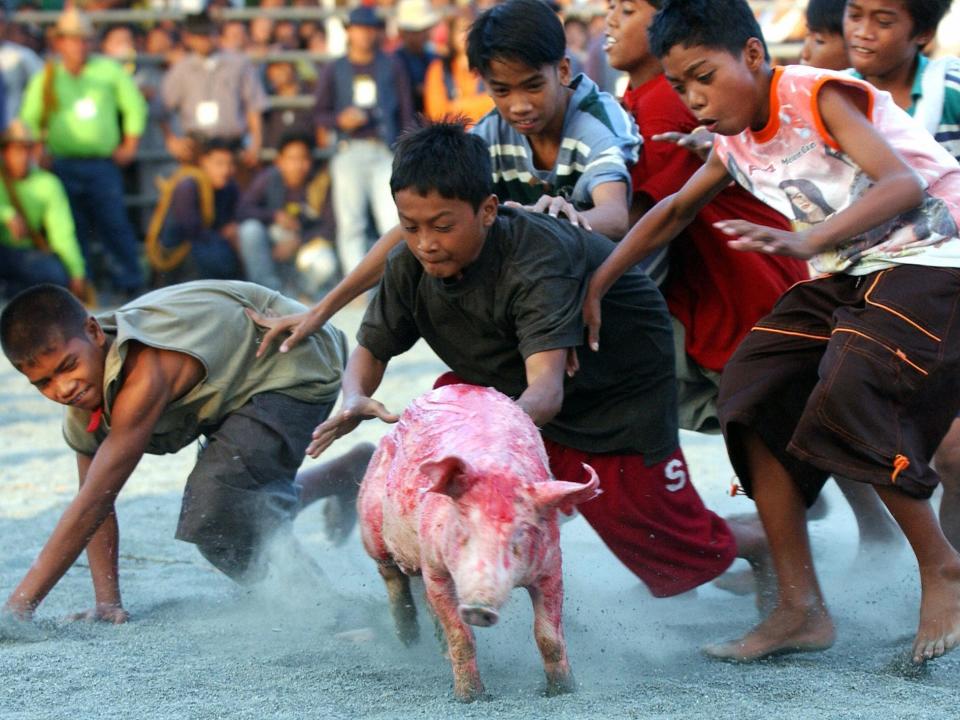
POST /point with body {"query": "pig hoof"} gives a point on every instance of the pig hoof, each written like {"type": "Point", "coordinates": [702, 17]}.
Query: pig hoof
{"type": "Point", "coordinates": [469, 694]}
{"type": "Point", "coordinates": [408, 634]}
{"type": "Point", "coordinates": [560, 686]}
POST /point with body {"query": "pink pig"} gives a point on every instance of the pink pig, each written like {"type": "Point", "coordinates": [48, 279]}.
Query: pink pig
{"type": "Point", "coordinates": [460, 491]}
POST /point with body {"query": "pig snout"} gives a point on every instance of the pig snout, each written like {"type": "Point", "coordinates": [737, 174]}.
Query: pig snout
{"type": "Point", "coordinates": [479, 615]}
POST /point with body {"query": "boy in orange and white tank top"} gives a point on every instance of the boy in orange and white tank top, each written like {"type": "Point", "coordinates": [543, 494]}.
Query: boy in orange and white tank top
{"type": "Point", "coordinates": [856, 372]}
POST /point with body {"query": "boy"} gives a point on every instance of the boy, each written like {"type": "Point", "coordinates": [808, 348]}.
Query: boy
{"type": "Point", "coordinates": [824, 46]}
{"type": "Point", "coordinates": [558, 147]}
{"type": "Point", "coordinates": [193, 231]}
{"type": "Point", "coordinates": [154, 375]}
{"type": "Point", "coordinates": [496, 293]}
{"type": "Point", "coordinates": [879, 327]}
{"type": "Point", "coordinates": [884, 39]}
{"type": "Point", "coordinates": [283, 209]}
{"type": "Point", "coordinates": [715, 294]}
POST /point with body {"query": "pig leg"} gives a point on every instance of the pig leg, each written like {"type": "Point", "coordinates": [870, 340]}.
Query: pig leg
{"type": "Point", "coordinates": [547, 598]}
{"type": "Point", "coordinates": [401, 602]}
{"type": "Point", "coordinates": [467, 685]}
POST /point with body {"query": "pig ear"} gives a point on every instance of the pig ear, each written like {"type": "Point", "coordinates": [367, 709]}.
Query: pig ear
{"type": "Point", "coordinates": [566, 495]}
{"type": "Point", "coordinates": [448, 476]}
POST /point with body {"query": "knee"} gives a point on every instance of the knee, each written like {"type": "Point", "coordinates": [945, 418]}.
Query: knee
{"type": "Point", "coordinates": [947, 462]}
{"type": "Point", "coordinates": [252, 233]}
{"type": "Point", "coordinates": [235, 560]}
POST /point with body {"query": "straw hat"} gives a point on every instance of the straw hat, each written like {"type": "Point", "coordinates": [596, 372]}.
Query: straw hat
{"type": "Point", "coordinates": [73, 23]}
{"type": "Point", "coordinates": [416, 15]}
{"type": "Point", "coordinates": [17, 132]}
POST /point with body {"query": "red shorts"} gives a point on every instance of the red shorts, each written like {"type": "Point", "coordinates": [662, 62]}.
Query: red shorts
{"type": "Point", "coordinates": [652, 518]}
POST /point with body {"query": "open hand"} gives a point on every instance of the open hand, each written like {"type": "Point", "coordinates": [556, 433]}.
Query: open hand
{"type": "Point", "coordinates": [102, 612]}
{"type": "Point", "coordinates": [749, 236]}
{"type": "Point", "coordinates": [354, 410]}
{"type": "Point", "coordinates": [699, 141]}
{"type": "Point", "coordinates": [298, 327]}
{"type": "Point", "coordinates": [555, 206]}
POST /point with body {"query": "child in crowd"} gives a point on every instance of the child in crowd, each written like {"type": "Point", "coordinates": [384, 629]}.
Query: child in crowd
{"type": "Point", "coordinates": [193, 231]}
{"type": "Point", "coordinates": [885, 38]}
{"type": "Point", "coordinates": [856, 372]}
{"type": "Point", "coordinates": [824, 46]}
{"type": "Point", "coordinates": [151, 377]}
{"type": "Point", "coordinates": [496, 292]}
{"type": "Point", "coordinates": [560, 146]}
{"type": "Point", "coordinates": [284, 208]}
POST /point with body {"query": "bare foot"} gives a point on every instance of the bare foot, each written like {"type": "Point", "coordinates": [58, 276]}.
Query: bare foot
{"type": "Point", "coordinates": [752, 547]}
{"type": "Point", "coordinates": [737, 582]}
{"type": "Point", "coordinates": [786, 630]}
{"type": "Point", "coordinates": [939, 631]}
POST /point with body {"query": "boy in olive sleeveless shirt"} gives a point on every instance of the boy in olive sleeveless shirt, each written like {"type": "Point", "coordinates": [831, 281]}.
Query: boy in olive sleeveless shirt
{"type": "Point", "coordinates": [153, 376]}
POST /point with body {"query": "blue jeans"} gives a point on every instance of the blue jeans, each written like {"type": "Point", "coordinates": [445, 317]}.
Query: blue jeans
{"type": "Point", "coordinates": [20, 269]}
{"type": "Point", "coordinates": [95, 189]}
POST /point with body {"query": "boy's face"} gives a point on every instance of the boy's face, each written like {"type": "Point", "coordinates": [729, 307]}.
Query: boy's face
{"type": "Point", "coordinates": [880, 36]}
{"type": "Point", "coordinates": [218, 166]}
{"type": "Point", "coordinates": [627, 23]}
{"type": "Point", "coordinates": [825, 50]}
{"type": "Point", "coordinates": [293, 163]}
{"type": "Point", "coordinates": [724, 91]}
{"type": "Point", "coordinates": [445, 235]}
{"type": "Point", "coordinates": [71, 372]}
{"type": "Point", "coordinates": [530, 99]}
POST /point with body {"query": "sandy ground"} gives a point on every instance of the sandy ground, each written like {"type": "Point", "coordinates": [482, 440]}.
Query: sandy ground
{"type": "Point", "coordinates": [302, 646]}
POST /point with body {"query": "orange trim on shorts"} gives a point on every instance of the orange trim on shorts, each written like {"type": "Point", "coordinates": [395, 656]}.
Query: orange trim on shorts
{"type": "Point", "coordinates": [894, 312]}
{"type": "Point", "coordinates": [768, 131]}
{"type": "Point", "coordinates": [900, 462]}
{"type": "Point", "coordinates": [893, 351]}
{"type": "Point", "coordinates": [793, 333]}
{"type": "Point", "coordinates": [815, 104]}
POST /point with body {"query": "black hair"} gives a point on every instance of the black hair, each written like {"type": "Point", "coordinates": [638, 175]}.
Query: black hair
{"type": "Point", "coordinates": [525, 31]}
{"type": "Point", "coordinates": [215, 144]}
{"type": "Point", "coordinates": [826, 16]}
{"type": "Point", "coordinates": [926, 14]}
{"type": "Point", "coordinates": [35, 318]}
{"type": "Point", "coordinates": [291, 137]}
{"type": "Point", "coordinates": [717, 24]}
{"type": "Point", "coordinates": [444, 157]}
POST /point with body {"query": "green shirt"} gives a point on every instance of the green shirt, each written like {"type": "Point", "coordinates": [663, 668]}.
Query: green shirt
{"type": "Point", "coordinates": [206, 320]}
{"type": "Point", "coordinates": [44, 201]}
{"type": "Point", "coordinates": [85, 121]}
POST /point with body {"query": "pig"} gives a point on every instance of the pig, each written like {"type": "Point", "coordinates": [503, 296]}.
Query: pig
{"type": "Point", "coordinates": [460, 491]}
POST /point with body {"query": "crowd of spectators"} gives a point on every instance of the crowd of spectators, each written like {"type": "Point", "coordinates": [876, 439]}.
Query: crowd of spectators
{"type": "Point", "coordinates": [213, 146]}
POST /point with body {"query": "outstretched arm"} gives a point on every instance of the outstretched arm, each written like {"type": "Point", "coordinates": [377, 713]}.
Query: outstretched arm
{"type": "Point", "coordinates": [543, 397]}
{"type": "Point", "coordinates": [360, 381]}
{"type": "Point", "coordinates": [654, 229]}
{"type": "Point", "coordinates": [152, 379]}
{"type": "Point", "coordinates": [361, 278]}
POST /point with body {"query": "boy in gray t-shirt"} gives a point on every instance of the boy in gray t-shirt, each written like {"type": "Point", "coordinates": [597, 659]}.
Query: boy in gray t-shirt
{"type": "Point", "coordinates": [153, 376]}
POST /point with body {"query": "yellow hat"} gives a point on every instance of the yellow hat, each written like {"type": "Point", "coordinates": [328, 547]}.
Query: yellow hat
{"type": "Point", "coordinates": [73, 23]}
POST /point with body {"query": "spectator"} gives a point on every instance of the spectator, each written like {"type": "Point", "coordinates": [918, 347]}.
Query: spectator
{"type": "Point", "coordinates": [216, 95]}
{"type": "Point", "coordinates": [233, 36]}
{"type": "Point", "coordinates": [17, 65]}
{"type": "Point", "coordinates": [285, 119]}
{"type": "Point", "coordinates": [193, 233]}
{"type": "Point", "coordinates": [451, 88]}
{"type": "Point", "coordinates": [37, 239]}
{"type": "Point", "coordinates": [284, 208]}
{"type": "Point", "coordinates": [415, 19]}
{"type": "Point", "coordinates": [74, 103]}
{"type": "Point", "coordinates": [365, 97]}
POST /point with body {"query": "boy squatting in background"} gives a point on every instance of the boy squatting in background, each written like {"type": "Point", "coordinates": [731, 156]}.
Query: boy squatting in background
{"type": "Point", "coordinates": [496, 293]}
{"type": "Point", "coordinates": [559, 147]}
{"type": "Point", "coordinates": [880, 325]}
{"type": "Point", "coordinates": [151, 377]}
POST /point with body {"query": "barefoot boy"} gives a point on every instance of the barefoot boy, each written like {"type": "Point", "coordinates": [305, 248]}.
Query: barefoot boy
{"type": "Point", "coordinates": [496, 293]}
{"type": "Point", "coordinates": [154, 375]}
{"type": "Point", "coordinates": [856, 372]}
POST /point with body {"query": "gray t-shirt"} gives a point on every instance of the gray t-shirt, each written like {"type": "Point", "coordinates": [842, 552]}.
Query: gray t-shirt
{"type": "Point", "coordinates": [206, 320]}
{"type": "Point", "coordinates": [524, 295]}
